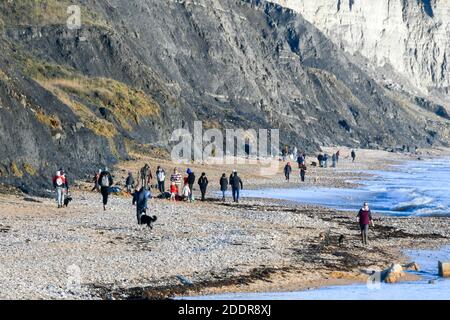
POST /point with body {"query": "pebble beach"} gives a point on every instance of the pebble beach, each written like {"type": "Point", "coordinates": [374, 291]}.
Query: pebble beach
{"type": "Point", "coordinates": [82, 252]}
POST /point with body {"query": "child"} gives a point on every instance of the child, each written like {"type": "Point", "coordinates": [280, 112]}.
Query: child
{"type": "Point", "coordinates": [173, 191]}
{"type": "Point", "coordinates": [302, 172]}
{"type": "Point", "coordinates": [186, 192]}
{"type": "Point", "coordinates": [287, 170]}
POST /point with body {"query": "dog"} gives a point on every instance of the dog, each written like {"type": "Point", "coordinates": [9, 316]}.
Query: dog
{"type": "Point", "coordinates": [67, 201]}
{"type": "Point", "coordinates": [148, 220]}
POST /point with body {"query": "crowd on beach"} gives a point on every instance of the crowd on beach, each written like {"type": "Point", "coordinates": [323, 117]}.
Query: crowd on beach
{"type": "Point", "coordinates": [181, 188]}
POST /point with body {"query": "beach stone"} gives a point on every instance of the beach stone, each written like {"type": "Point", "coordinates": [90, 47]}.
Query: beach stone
{"type": "Point", "coordinates": [393, 274]}
{"type": "Point", "coordinates": [413, 266]}
{"type": "Point", "coordinates": [444, 269]}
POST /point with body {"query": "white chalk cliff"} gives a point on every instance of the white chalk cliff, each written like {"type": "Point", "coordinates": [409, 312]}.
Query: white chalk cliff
{"type": "Point", "coordinates": [412, 36]}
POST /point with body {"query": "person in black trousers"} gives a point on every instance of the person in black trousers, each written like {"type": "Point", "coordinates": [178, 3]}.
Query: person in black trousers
{"type": "Point", "coordinates": [302, 172]}
{"type": "Point", "coordinates": [105, 180]}
{"type": "Point", "coordinates": [203, 184]}
{"type": "Point", "coordinates": [236, 185]}
{"type": "Point", "coordinates": [223, 185]}
{"type": "Point", "coordinates": [190, 181]}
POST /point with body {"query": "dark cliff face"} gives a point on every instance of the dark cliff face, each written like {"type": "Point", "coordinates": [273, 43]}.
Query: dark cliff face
{"type": "Point", "coordinates": [81, 98]}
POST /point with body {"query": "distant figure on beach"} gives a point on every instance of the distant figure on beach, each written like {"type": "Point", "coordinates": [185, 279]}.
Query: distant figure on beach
{"type": "Point", "coordinates": [140, 199]}
{"type": "Point", "coordinates": [364, 218]}
{"type": "Point", "coordinates": [334, 160]}
{"type": "Point", "coordinates": [190, 181]}
{"type": "Point", "coordinates": [146, 176]}
{"type": "Point", "coordinates": [302, 172]}
{"type": "Point", "coordinates": [187, 192]}
{"type": "Point", "coordinates": [105, 181]}
{"type": "Point", "coordinates": [173, 191]}
{"type": "Point", "coordinates": [176, 178]}
{"type": "Point", "coordinates": [325, 160]}
{"type": "Point", "coordinates": [338, 153]}
{"type": "Point", "coordinates": [300, 160]}
{"type": "Point", "coordinates": [236, 185]}
{"type": "Point", "coordinates": [96, 186]}
{"type": "Point", "coordinates": [320, 159]}
{"type": "Point", "coordinates": [161, 178]}
{"type": "Point", "coordinates": [353, 155]}
{"type": "Point", "coordinates": [284, 152]}
{"type": "Point", "coordinates": [61, 185]}
{"type": "Point", "coordinates": [129, 182]}
{"type": "Point", "coordinates": [203, 184]}
{"type": "Point", "coordinates": [287, 170]}
{"type": "Point", "coordinates": [223, 185]}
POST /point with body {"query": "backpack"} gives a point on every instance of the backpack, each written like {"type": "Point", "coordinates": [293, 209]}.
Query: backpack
{"type": "Point", "coordinates": [59, 181]}
{"type": "Point", "coordinates": [105, 180]}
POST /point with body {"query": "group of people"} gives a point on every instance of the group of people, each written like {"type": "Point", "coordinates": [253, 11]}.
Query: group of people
{"type": "Point", "coordinates": [324, 157]}
{"type": "Point", "coordinates": [181, 188]}
{"type": "Point", "coordinates": [186, 192]}
{"type": "Point", "coordinates": [103, 182]}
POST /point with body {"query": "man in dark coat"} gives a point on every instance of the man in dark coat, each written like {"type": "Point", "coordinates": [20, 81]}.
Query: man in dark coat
{"type": "Point", "coordinates": [223, 185]}
{"type": "Point", "coordinates": [236, 185]}
{"type": "Point", "coordinates": [203, 184]}
{"type": "Point", "coordinates": [190, 181]}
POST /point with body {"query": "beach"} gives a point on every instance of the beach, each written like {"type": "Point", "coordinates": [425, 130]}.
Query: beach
{"type": "Point", "coordinates": [258, 245]}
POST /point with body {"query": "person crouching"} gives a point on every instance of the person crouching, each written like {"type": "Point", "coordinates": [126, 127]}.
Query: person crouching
{"type": "Point", "coordinates": [140, 199]}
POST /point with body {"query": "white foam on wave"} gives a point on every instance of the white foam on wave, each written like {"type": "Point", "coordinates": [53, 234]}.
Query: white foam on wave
{"type": "Point", "coordinates": [416, 203]}
{"type": "Point", "coordinates": [399, 192]}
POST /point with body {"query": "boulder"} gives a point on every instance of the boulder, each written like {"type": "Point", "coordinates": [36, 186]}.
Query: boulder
{"type": "Point", "coordinates": [393, 274]}
{"type": "Point", "coordinates": [444, 269]}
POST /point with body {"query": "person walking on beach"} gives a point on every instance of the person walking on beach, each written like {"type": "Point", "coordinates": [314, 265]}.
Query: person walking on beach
{"type": "Point", "coordinates": [161, 178]}
{"type": "Point", "coordinates": [203, 184]}
{"type": "Point", "coordinates": [364, 218]}
{"type": "Point", "coordinates": [353, 155]}
{"type": "Point", "coordinates": [236, 185]}
{"type": "Point", "coordinates": [140, 199]}
{"type": "Point", "coordinates": [300, 160]}
{"type": "Point", "coordinates": [176, 178]}
{"type": "Point", "coordinates": [325, 160]}
{"type": "Point", "coordinates": [129, 182]}
{"type": "Point", "coordinates": [302, 172]}
{"type": "Point", "coordinates": [105, 181]}
{"type": "Point", "coordinates": [287, 170]}
{"type": "Point", "coordinates": [96, 186]}
{"type": "Point", "coordinates": [338, 153]}
{"type": "Point", "coordinates": [61, 185]}
{"type": "Point", "coordinates": [334, 160]}
{"type": "Point", "coordinates": [223, 185]}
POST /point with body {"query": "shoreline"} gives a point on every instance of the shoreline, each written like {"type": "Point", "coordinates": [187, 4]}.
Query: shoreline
{"type": "Point", "coordinates": [258, 245]}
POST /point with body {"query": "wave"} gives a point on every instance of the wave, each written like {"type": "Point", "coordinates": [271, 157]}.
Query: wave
{"type": "Point", "coordinates": [416, 203]}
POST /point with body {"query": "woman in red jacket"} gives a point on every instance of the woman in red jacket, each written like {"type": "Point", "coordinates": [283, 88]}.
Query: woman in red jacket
{"type": "Point", "coordinates": [364, 218]}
